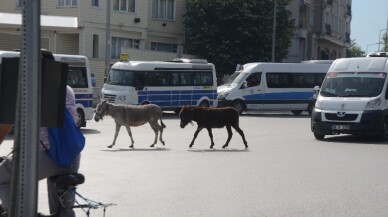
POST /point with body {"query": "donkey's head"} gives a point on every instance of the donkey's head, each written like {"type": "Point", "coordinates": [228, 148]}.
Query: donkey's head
{"type": "Point", "coordinates": [186, 115]}
{"type": "Point", "coordinates": [101, 110]}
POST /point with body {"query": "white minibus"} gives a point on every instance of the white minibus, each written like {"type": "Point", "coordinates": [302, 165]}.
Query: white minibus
{"type": "Point", "coordinates": [273, 86]}
{"type": "Point", "coordinates": [78, 77]}
{"type": "Point", "coordinates": [168, 84]}
{"type": "Point", "coordinates": [353, 99]}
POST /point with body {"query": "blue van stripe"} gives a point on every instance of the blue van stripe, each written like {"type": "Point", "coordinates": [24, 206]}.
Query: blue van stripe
{"type": "Point", "coordinates": [83, 96]}
{"type": "Point", "coordinates": [280, 96]}
{"type": "Point", "coordinates": [176, 97]}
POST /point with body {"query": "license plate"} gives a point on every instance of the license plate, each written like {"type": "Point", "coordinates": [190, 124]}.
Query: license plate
{"type": "Point", "coordinates": [341, 127]}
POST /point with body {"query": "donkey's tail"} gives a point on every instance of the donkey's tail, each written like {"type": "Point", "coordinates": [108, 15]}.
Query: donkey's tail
{"type": "Point", "coordinates": [161, 122]}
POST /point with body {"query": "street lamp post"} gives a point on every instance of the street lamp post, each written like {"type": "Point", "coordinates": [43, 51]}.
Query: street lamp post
{"type": "Point", "coordinates": [380, 37]}
{"type": "Point", "coordinates": [274, 30]}
{"type": "Point", "coordinates": [108, 39]}
{"type": "Point", "coordinates": [367, 47]}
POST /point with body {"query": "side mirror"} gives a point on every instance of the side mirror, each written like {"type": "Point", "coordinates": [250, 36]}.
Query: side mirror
{"type": "Point", "coordinates": [244, 85]}
{"type": "Point", "coordinates": [104, 79]}
{"type": "Point", "coordinates": [316, 91]}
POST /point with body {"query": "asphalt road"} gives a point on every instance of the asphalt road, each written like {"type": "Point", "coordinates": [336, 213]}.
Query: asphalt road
{"type": "Point", "coordinates": [285, 171]}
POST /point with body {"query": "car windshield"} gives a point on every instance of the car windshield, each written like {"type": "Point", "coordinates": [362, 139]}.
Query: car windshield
{"type": "Point", "coordinates": [236, 78]}
{"type": "Point", "coordinates": [353, 84]}
{"type": "Point", "coordinates": [120, 77]}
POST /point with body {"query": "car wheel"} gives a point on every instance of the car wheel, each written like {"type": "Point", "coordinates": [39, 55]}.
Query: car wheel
{"type": "Point", "coordinates": [204, 103]}
{"type": "Point", "coordinates": [296, 112]}
{"type": "Point", "coordinates": [239, 105]}
{"type": "Point", "coordinates": [319, 136]}
{"type": "Point", "coordinates": [310, 108]}
{"type": "Point", "coordinates": [383, 135]}
{"type": "Point", "coordinates": [80, 118]}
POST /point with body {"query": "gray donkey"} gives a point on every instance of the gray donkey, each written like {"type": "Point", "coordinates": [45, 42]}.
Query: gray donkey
{"type": "Point", "coordinates": [131, 115]}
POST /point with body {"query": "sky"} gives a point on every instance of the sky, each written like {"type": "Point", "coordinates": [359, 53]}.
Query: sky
{"type": "Point", "coordinates": [368, 18]}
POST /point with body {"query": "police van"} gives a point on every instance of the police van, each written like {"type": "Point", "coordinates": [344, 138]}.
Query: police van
{"type": "Point", "coordinates": [353, 99]}
{"type": "Point", "coordinates": [273, 86]}
{"type": "Point", "coordinates": [78, 77]}
{"type": "Point", "coordinates": [168, 84]}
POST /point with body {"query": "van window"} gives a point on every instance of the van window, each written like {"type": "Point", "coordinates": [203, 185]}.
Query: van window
{"type": "Point", "coordinates": [77, 77]}
{"type": "Point", "coordinates": [202, 78]}
{"type": "Point", "coordinates": [279, 80]}
{"type": "Point", "coordinates": [158, 79]}
{"type": "Point", "coordinates": [353, 84]}
{"type": "Point", "coordinates": [254, 80]}
{"type": "Point", "coordinates": [294, 80]}
{"type": "Point", "coordinates": [120, 77]}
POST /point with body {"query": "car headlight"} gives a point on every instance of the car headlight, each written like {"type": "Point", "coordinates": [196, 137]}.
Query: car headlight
{"type": "Point", "coordinates": [373, 104]}
{"type": "Point", "coordinates": [222, 95]}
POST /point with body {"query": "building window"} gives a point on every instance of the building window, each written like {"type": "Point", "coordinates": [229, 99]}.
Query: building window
{"type": "Point", "coordinates": [96, 3]}
{"type": "Point", "coordinates": [67, 3]}
{"type": "Point", "coordinates": [166, 47]}
{"type": "Point", "coordinates": [118, 44]}
{"type": "Point", "coordinates": [124, 5]}
{"type": "Point", "coordinates": [163, 9]}
{"type": "Point", "coordinates": [95, 46]}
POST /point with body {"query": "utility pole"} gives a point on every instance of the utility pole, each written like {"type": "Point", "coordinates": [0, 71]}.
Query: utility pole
{"type": "Point", "coordinates": [108, 39]}
{"type": "Point", "coordinates": [274, 30]}
{"type": "Point", "coordinates": [24, 181]}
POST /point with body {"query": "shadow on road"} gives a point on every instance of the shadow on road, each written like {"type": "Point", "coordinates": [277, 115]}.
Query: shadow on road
{"type": "Point", "coordinates": [359, 140]}
{"type": "Point", "coordinates": [275, 115]}
{"type": "Point", "coordinates": [219, 150]}
{"type": "Point", "coordinates": [90, 131]}
{"type": "Point", "coordinates": [136, 149]}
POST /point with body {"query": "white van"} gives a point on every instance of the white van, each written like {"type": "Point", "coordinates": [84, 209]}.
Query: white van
{"type": "Point", "coordinates": [169, 85]}
{"type": "Point", "coordinates": [353, 99]}
{"type": "Point", "coordinates": [273, 86]}
{"type": "Point", "coordinates": [78, 78]}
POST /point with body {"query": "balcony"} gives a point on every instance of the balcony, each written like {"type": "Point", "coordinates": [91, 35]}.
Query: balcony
{"type": "Point", "coordinates": [347, 37]}
{"type": "Point", "coordinates": [349, 10]}
{"type": "Point", "coordinates": [327, 29]}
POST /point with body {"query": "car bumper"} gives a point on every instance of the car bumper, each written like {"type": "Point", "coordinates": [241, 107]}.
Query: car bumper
{"type": "Point", "coordinates": [224, 103]}
{"type": "Point", "coordinates": [369, 124]}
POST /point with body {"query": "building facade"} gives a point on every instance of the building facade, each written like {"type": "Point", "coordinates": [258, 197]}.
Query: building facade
{"type": "Point", "coordinates": [154, 29]}
{"type": "Point", "coordinates": [323, 29]}
{"type": "Point", "coordinates": [145, 29]}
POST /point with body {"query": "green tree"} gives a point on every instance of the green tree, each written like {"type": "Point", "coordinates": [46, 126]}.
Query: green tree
{"type": "Point", "coordinates": [231, 32]}
{"type": "Point", "coordinates": [384, 43]}
{"type": "Point", "coordinates": [354, 50]}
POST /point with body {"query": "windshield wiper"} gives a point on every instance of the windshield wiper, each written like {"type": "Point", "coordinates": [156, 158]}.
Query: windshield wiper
{"type": "Point", "coordinates": [352, 95]}
{"type": "Point", "coordinates": [325, 93]}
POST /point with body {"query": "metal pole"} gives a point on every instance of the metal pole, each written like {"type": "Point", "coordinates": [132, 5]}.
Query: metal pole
{"type": "Point", "coordinates": [108, 39]}
{"type": "Point", "coordinates": [24, 183]}
{"type": "Point", "coordinates": [274, 31]}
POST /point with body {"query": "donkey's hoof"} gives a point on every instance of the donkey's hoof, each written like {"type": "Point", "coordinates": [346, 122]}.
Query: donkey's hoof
{"type": "Point", "coordinates": [153, 145]}
{"type": "Point", "coordinates": [109, 146]}
{"type": "Point", "coordinates": [224, 146]}
{"type": "Point", "coordinates": [131, 146]}
{"type": "Point", "coordinates": [163, 143]}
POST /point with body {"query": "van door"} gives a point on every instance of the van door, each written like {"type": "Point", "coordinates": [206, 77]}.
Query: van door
{"type": "Point", "coordinates": [253, 92]}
